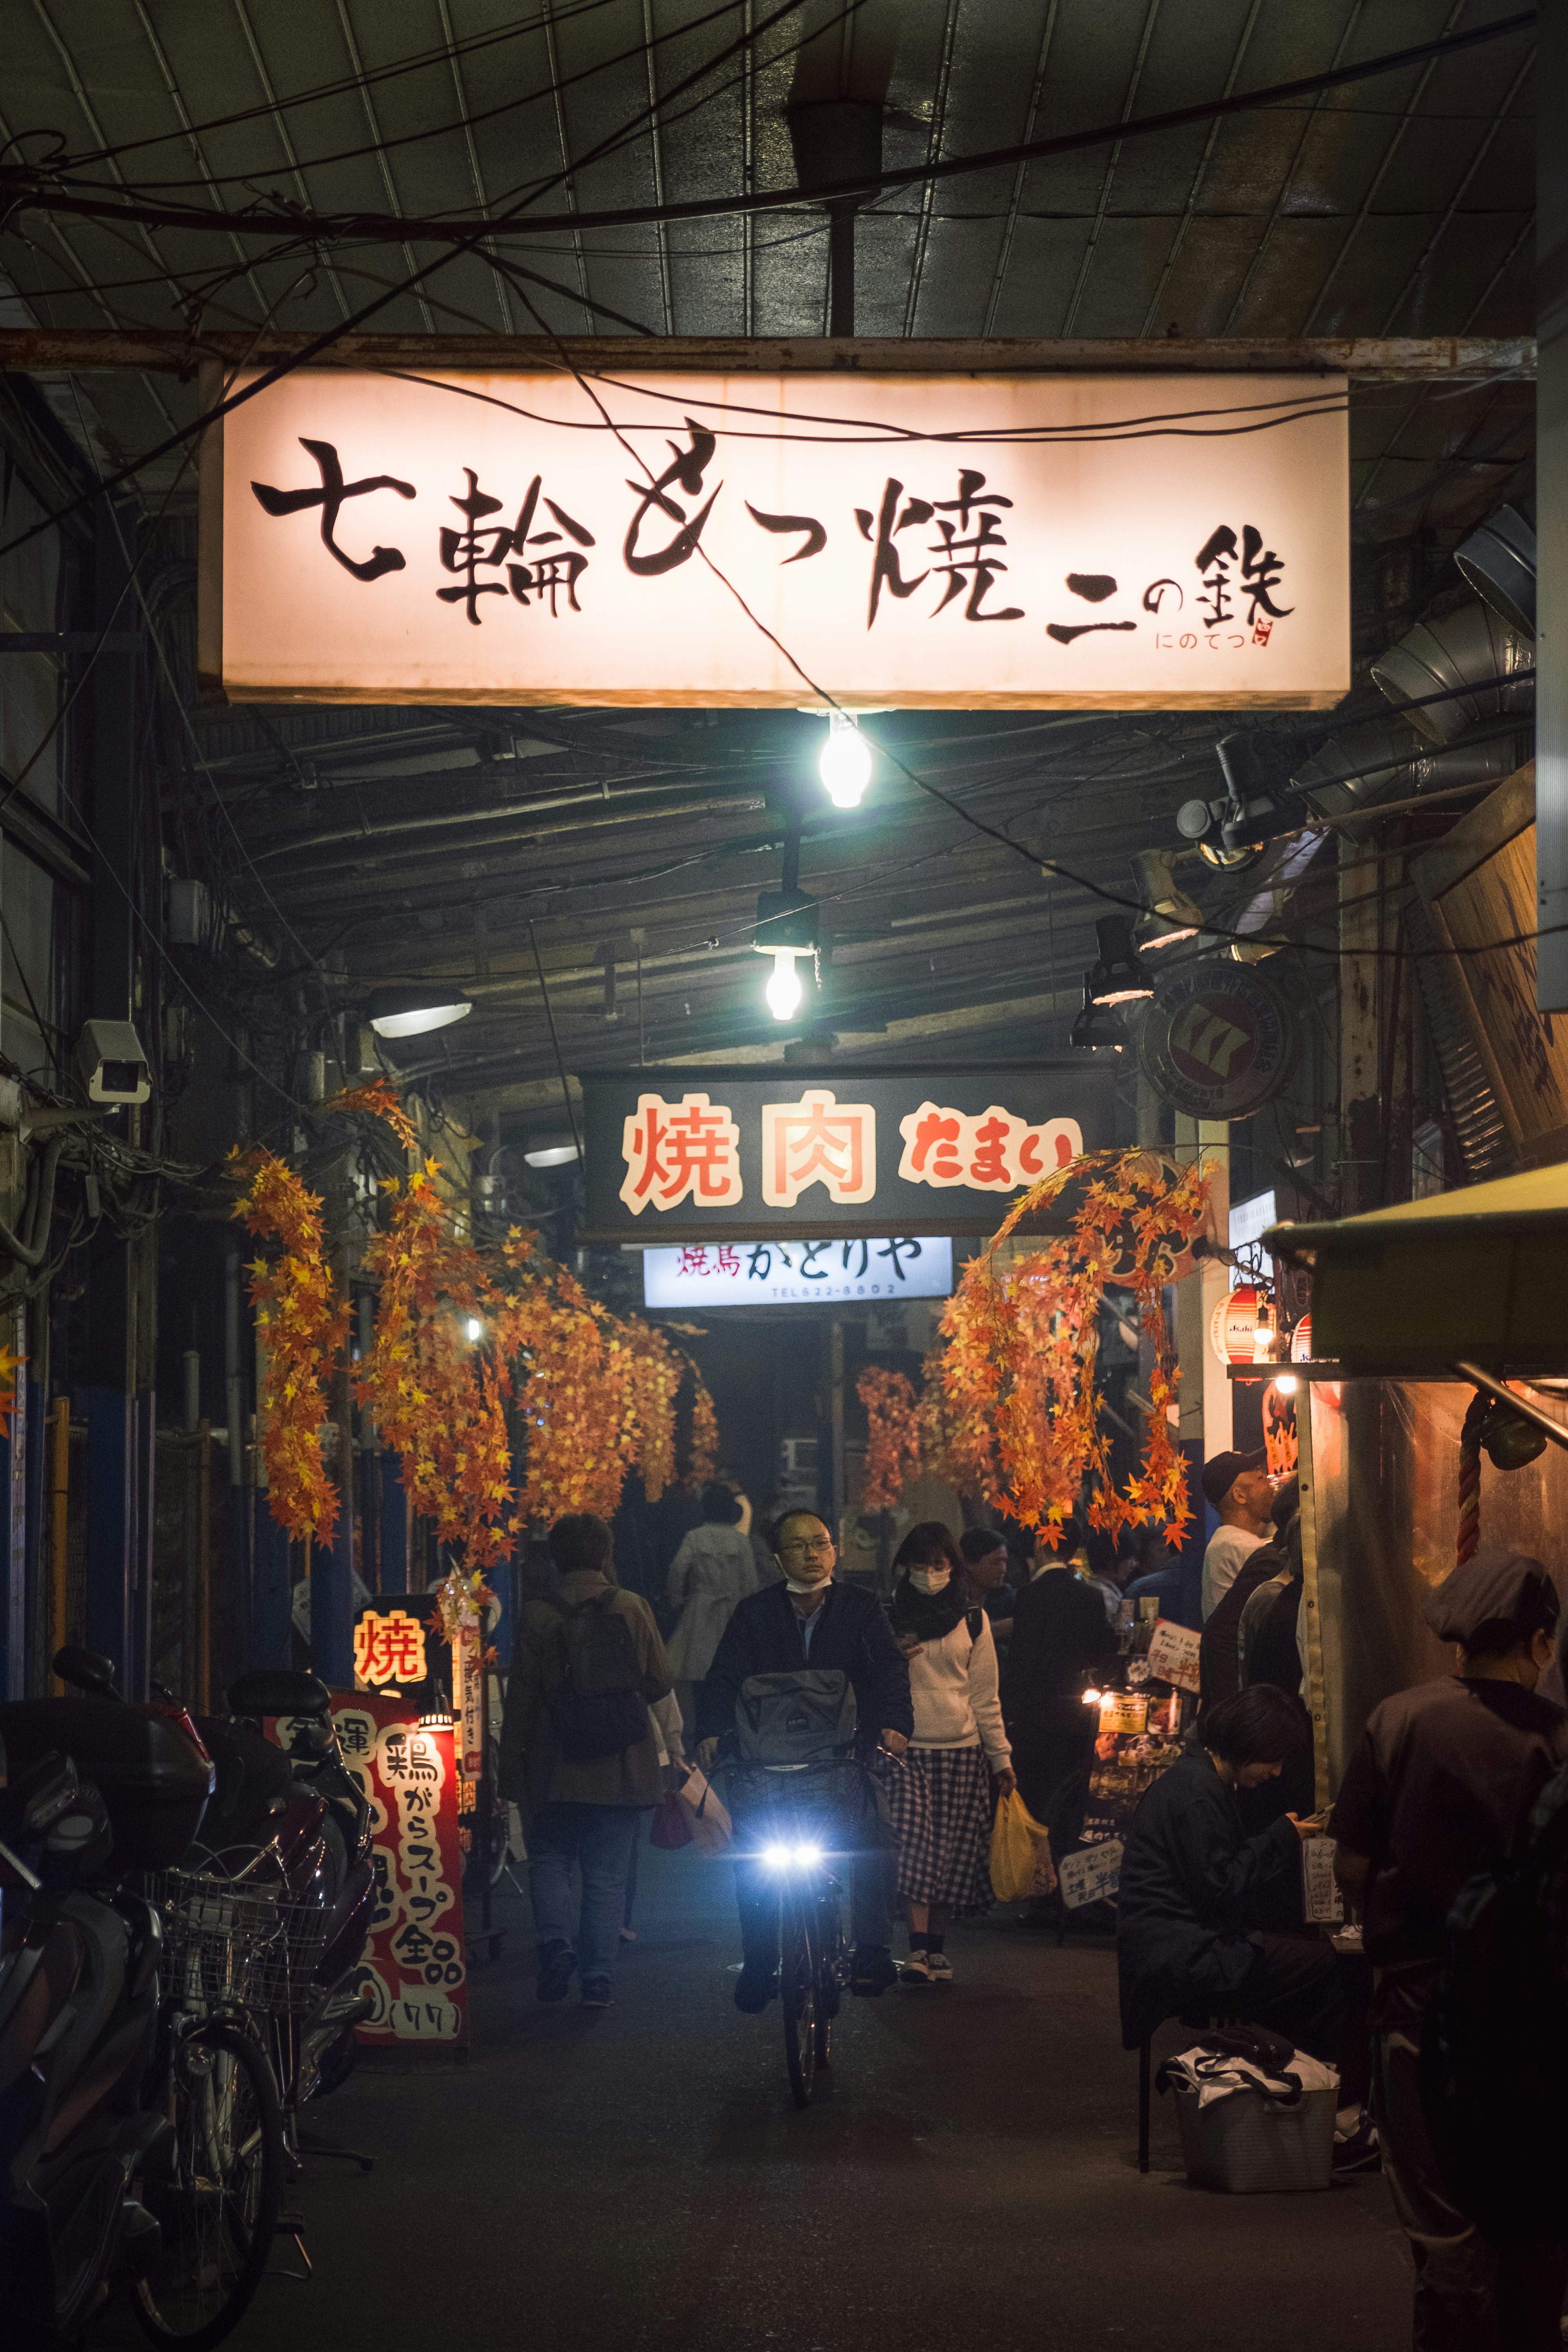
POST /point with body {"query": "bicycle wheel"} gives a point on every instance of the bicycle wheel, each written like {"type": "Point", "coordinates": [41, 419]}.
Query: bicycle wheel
{"type": "Point", "coordinates": [797, 1986]}
{"type": "Point", "coordinates": [217, 2206]}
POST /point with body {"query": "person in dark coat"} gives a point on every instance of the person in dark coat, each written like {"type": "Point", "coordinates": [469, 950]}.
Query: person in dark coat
{"type": "Point", "coordinates": [809, 1622]}
{"type": "Point", "coordinates": [1194, 1888]}
{"type": "Point", "coordinates": [1443, 1782]}
{"type": "Point", "coordinates": [1218, 1655]}
{"type": "Point", "coordinates": [1061, 1638]}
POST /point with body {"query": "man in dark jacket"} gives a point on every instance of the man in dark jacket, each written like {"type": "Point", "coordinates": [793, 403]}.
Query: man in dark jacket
{"type": "Point", "coordinates": [1061, 1638]}
{"type": "Point", "coordinates": [1194, 1889]}
{"type": "Point", "coordinates": [808, 1622]}
{"type": "Point", "coordinates": [1220, 1651]}
{"type": "Point", "coordinates": [1443, 1779]}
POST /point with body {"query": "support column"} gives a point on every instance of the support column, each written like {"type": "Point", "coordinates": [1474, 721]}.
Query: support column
{"type": "Point", "coordinates": [1552, 518]}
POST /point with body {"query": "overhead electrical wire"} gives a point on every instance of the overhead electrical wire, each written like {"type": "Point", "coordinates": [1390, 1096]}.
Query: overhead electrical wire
{"type": "Point", "coordinates": [401, 225]}
{"type": "Point", "coordinates": [331, 335]}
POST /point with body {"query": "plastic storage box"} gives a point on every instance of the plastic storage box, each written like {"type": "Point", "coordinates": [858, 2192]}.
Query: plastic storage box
{"type": "Point", "coordinates": [1251, 2146]}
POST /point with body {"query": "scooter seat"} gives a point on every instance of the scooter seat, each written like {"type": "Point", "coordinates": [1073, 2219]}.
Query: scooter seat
{"type": "Point", "coordinates": [278, 1690]}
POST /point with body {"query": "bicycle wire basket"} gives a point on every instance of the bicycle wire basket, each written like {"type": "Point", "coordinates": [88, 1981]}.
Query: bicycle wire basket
{"type": "Point", "coordinates": [230, 1945]}
{"type": "Point", "coordinates": [826, 1801]}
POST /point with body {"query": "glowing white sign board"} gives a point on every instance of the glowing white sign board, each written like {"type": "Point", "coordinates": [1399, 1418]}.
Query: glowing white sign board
{"type": "Point", "coordinates": [1088, 541]}
{"type": "Point", "coordinates": [780, 1274]}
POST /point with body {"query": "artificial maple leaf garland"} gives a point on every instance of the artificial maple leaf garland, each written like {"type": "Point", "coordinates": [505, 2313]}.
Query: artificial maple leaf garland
{"type": "Point", "coordinates": [893, 1453]}
{"type": "Point", "coordinates": [1009, 1408]}
{"type": "Point", "coordinates": [302, 1324]}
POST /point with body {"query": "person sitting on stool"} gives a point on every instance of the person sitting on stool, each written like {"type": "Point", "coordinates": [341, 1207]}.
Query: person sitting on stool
{"type": "Point", "coordinates": [1195, 1886]}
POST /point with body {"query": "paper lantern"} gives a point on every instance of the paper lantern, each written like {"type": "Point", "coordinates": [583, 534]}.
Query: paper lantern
{"type": "Point", "coordinates": [1242, 1324]}
{"type": "Point", "coordinates": [1301, 1341]}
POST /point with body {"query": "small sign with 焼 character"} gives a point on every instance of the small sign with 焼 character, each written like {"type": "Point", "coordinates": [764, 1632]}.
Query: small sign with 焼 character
{"type": "Point", "coordinates": [389, 1650]}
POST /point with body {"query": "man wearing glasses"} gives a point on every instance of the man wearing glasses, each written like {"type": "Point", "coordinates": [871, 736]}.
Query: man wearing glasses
{"type": "Point", "coordinates": [810, 1622]}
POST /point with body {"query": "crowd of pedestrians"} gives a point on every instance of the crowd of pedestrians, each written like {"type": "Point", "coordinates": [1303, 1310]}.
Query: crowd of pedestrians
{"type": "Point", "coordinates": [969, 1681]}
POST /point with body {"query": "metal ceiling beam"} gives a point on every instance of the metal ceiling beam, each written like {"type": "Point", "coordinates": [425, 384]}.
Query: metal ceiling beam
{"type": "Point", "coordinates": [1367, 358]}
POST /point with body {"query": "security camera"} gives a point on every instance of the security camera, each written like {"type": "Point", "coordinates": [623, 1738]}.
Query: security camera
{"type": "Point", "coordinates": [109, 1058]}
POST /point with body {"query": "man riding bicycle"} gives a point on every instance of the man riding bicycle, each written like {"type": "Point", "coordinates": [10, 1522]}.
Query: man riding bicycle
{"type": "Point", "coordinates": [810, 1623]}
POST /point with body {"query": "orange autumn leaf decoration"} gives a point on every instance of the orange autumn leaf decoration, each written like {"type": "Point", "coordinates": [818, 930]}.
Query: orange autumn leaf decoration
{"type": "Point", "coordinates": [382, 1101]}
{"type": "Point", "coordinates": [1020, 1411]}
{"type": "Point", "coordinates": [10, 1366]}
{"type": "Point", "coordinates": [893, 1451]}
{"type": "Point", "coordinates": [1010, 1409]}
{"type": "Point", "coordinates": [592, 1394]}
{"type": "Point", "coordinates": [302, 1324]}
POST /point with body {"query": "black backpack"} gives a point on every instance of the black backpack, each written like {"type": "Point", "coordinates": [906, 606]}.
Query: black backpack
{"type": "Point", "coordinates": [795, 1718]}
{"type": "Point", "coordinates": [1494, 2054]}
{"type": "Point", "coordinates": [598, 1708]}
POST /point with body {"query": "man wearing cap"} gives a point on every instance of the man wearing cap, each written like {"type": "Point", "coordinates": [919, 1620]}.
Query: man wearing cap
{"type": "Point", "coordinates": [1240, 1489]}
{"type": "Point", "coordinates": [1444, 1779]}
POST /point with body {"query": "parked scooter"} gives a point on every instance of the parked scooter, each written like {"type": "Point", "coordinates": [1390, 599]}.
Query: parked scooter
{"type": "Point", "coordinates": [141, 2145]}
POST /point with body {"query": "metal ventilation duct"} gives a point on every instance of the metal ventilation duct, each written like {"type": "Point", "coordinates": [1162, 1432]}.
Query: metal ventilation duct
{"type": "Point", "coordinates": [1382, 761]}
{"type": "Point", "coordinates": [1499, 562]}
{"type": "Point", "coordinates": [1447, 656]}
{"type": "Point", "coordinates": [1483, 1139]}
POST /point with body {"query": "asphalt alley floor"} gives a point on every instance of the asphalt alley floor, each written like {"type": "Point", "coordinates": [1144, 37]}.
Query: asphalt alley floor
{"type": "Point", "coordinates": [639, 2180]}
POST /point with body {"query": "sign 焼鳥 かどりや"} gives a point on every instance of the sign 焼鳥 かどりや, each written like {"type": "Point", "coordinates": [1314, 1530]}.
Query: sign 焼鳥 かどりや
{"type": "Point", "coordinates": [734, 1155]}
{"type": "Point", "coordinates": [897, 539]}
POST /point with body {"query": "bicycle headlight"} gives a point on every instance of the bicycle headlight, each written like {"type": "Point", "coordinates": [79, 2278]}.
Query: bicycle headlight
{"type": "Point", "coordinates": [807, 1856]}
{"type": "Point", "coordinates": [777, 1857]}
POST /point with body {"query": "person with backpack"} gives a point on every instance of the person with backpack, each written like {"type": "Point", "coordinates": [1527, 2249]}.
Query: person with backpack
{"type": "Point", "coordinates": [809, 1624]}
{"type": "Point", "coordinates": [1437, 1800]}
{"type": "Point", "coordinates": [588, 1704]}
{"type": "Point", "coordinates": [939, 1796]}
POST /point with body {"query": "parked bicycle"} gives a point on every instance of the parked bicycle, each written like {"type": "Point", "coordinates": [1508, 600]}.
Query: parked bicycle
{"type": "Point", "coordinates": [141, 2140]}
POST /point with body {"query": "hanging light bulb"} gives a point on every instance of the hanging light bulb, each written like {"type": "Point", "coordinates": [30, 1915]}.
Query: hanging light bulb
{"type": "Point", "coordinates": [474, 1328]}
{"type": "Point", "coordinates": [784, 990]}
{"type": "Point", "coordinates": [845, 764]}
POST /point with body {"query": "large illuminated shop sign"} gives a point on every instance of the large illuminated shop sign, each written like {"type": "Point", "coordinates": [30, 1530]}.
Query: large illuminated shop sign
{"type": "Point", "coordinates": [1155, 542]}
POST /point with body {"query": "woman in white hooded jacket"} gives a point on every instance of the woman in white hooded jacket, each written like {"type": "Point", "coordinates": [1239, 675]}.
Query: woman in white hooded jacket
{"type": "Point", "coordinates": [941, 1801]}
{"type": "Point", "coordinates": [713, 1569]}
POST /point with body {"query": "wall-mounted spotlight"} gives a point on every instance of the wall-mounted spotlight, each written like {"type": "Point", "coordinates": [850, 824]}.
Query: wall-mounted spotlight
{"type": "Point", "coordinates": [1115, 976]}
{"type": "Point", "coordinates": [1171, 915]}
{"type": "Point", "coordinates": [413, 1010]}
{"type": "Point", "coordinates": [551, 1155]}
{"type": "Point", "coordinates": [1095, 1029]}
{"type": "Point", "coordinates": [845, 765]}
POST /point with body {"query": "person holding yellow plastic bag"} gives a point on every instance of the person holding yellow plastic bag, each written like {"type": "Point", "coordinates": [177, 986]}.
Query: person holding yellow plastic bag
{"type": "Point", "coordinates": [939, 1794]}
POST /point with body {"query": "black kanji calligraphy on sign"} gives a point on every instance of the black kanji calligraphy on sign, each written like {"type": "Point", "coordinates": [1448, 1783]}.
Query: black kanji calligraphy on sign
{"type": "Point", "coordinates": [884, 570]}
{"type": "Point", "coordinates": [816, 533]}
{"type": "Point", "coordinates": [1095, 587]}
{"type": "Point", "coordinates": [546, 576]}
{"type": "Point", "coordinates": [845, 1257]}
{"type": "Point", "coordinates": [894, 1250]}
{"type": "Point", "coordinates": [1260, 572]}
{"type": "Point", "coordinates": [687, 468]}
{"type": "Point", "coordinates": [465, 551]}
{"type": "Point", "coordinates": [972, 556]}
{"type": "Point", "coordinates": [329, 497]}
{"type": "Point", "coordinates": [811, 1273]}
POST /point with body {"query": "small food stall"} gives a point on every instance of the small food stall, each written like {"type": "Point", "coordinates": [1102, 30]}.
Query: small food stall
{"type": "Point", "coordinates": [1432, 1415]}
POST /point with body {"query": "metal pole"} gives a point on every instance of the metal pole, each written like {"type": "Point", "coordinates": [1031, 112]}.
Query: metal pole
{"type": "Point", "coordinates": [1551, 520]}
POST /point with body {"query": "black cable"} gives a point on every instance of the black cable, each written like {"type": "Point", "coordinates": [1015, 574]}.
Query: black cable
{"type": "Point", "coordinates": [331, 335]}
{"type": "Point", "coordinates": [555, 1042]}
{"type": "Point", "coordinates": [400, 226]}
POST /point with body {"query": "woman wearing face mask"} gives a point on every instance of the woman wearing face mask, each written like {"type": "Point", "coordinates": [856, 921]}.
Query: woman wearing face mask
{"type": "Point", "coordinates": [940, 1803]}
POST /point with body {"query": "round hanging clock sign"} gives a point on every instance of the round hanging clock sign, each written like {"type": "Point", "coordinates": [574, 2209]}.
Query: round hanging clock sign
{"type": "Point", "coordinates": [1219, 1040]}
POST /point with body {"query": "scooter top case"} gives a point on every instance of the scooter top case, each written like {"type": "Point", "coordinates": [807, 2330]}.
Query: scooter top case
{"type": "Point", "coordinates": [155, 1779]}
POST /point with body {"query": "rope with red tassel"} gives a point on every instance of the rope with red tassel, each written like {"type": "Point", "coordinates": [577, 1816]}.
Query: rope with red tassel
{"type": "Point", "coordinates": [1470, 1477]}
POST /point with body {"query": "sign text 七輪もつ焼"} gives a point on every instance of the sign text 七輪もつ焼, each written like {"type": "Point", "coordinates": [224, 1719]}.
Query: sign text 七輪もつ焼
{"type": "Point", "coordinates": [1085, 541]}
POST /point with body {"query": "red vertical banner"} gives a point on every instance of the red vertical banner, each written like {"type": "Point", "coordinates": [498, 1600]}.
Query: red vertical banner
{"type": "Point", "coordinates": [413, 1966]}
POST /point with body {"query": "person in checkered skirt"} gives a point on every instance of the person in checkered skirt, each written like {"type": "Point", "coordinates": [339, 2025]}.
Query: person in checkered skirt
{"type": "Point", "coordinates": [940, 1795]}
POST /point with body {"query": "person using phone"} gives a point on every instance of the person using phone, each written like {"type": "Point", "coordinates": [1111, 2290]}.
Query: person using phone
{"type": "Point", "coordinates": [1195, 1889]}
